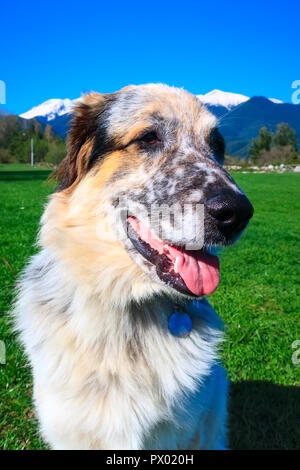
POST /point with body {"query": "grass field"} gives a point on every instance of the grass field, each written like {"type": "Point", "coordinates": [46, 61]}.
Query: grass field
{"type": "Point", "coordinates": [258, 298]}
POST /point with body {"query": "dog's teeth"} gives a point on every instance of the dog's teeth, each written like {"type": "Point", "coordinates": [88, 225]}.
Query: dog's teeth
{"type": "Point", "coordinates": [175, 265]}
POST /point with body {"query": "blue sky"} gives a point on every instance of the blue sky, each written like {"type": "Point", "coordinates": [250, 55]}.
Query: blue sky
{"type": "Point", "coordinates": [58, 49]}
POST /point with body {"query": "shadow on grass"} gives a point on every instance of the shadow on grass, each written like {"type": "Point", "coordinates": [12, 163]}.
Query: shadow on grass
{"type": "Point", "coordinates": [24, 175]}
{"type": "Point", "coordinates": [264, 416]}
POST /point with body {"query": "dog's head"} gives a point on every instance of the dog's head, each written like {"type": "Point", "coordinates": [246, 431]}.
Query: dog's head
{"type": "Point", "coordinates": [142, 190]}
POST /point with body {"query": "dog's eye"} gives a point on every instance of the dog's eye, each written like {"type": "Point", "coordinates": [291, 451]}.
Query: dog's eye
{"type": "Point", "coordinates": [150, 138]}
{"type": "Point", "coordinates": [217, 142]}
{"type": "Point", "coordinates": [219, 145]}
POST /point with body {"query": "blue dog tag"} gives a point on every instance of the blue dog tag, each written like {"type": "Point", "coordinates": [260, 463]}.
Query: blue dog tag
{"type": "Point", "coordinates": [180, 324]}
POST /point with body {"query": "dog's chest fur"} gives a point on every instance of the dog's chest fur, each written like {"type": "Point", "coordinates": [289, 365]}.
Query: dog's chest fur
{"type": "Point", "coordinates": [139, 388]}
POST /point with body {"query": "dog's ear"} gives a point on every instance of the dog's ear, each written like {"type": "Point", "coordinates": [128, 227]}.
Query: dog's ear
{"type": "Point", "coordinates": [80, 140]}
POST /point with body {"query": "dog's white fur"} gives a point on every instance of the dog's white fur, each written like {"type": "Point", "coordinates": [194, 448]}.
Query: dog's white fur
{"type": "Point", "coordinates": [90, 393]}
{"type": "Point", "coordinates": [108, 373]}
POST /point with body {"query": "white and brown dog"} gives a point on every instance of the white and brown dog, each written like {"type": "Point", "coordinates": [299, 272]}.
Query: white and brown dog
{"type": "Point", "coordinates": [97, 310]}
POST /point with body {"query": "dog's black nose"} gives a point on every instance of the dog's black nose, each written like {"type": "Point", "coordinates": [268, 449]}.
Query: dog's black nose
{"type": "Point", "coordinates": [231, 210]}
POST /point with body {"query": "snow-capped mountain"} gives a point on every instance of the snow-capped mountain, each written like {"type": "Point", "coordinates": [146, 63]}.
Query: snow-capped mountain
{"type": "Point", "coordinates": [50, 109]}
{"type": "Point", "coordinates": [223, 98]}
{"type": "Point", "coordinates": [240, 117]}
{"type": "Point", "coordinates": [226, 99]}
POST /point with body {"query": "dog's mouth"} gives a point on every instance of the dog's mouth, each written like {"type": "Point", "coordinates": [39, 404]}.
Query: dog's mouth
{"type": "Point", "coordinates": [191, 272]}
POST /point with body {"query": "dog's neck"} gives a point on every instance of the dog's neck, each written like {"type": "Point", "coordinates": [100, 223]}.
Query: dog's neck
{"type": "Point", "coordinates": [99, 319]}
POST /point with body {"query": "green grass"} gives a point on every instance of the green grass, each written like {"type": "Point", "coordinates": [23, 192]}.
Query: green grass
{"type": "Point", "coordinates": [16, 167]}
{"type": "Point", "coordinates": [258, 299]}
{"type": "Point", "coordinates": [22, 195]}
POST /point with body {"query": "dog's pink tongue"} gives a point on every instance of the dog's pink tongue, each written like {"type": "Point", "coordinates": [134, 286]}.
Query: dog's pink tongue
{"type": "Point", "coordinates": [198, 269]}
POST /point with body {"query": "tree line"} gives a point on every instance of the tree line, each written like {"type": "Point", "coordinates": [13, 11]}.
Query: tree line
{"type": "Point", "coordinates": [278, 147]}
{"type": "Point", "coordinates": [15, 141]}
{"type": "Point", "coordinates": [16, 135]}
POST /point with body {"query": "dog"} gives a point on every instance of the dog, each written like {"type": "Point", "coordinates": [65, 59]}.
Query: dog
{"type": "Point", "coordinates": [122, 341]}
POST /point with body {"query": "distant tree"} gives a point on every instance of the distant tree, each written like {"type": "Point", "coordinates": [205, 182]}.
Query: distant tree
{"type": "Point", "coordinates": [40, 148]}
{"type": "Point", "coordinates": [294, 157]}
{"type": "Point", "coordinates": [56, 152]}
{"type": "Point", "coordinates": [5, 156]}
{"type": "Point", "coordinates": [265, 138]}
{"type": "Point", "coordinates": [285, 135]}
{"type": "Point", "coordinates": [262, 143]}
{"type": "Point", "coordinates": [254, 150]}
{"type": "Point", "coordinates": [38, 130]}
{"type": "Point", "coordinates": [48, 131]}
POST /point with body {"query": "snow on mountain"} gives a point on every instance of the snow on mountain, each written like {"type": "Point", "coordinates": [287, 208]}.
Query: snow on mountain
{"type": "Point", "coordinates": [50, 109]}
{"type": "Point", "coordinates": [276, 101]}
{"type": "Point", "coordinates": [53, 108]}
{"type": "Point", "coordinates": [223, 98]}
{"type": "Point", "coordinates": [226, 99]}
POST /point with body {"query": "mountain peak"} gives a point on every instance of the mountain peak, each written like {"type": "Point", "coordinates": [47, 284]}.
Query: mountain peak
{"type": "Point", "coordinates": [50, 109]}
{"type": "Point", "coordinates": [223, 98]}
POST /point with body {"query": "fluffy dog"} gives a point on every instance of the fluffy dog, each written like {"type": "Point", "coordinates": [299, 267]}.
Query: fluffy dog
{"type": "Point", "coordinates": [94, 308]}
